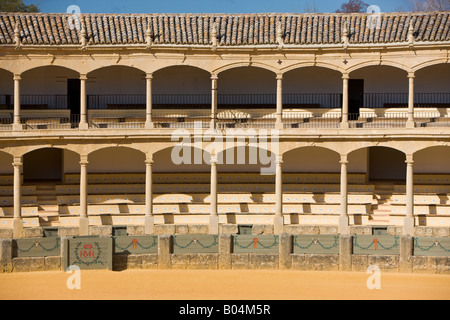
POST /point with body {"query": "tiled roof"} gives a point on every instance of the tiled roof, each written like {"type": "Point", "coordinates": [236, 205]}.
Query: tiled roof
{"type": "Point", "coordinates": [232, 29]}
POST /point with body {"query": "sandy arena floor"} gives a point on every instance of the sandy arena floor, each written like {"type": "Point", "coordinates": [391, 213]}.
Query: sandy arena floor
{"type": "Point", "coordinates": [222, 285]}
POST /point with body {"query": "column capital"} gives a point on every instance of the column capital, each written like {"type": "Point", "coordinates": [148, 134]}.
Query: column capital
{"type": "Point", "coordinates": [409, 159]}
{"type": "Point", "coordinates": [17, 162]}
{"type": "Point", "coordinates": [343, 159]}
{"type": "Point", "coordinates": [279, 76]}
{"type": "Point", "coordinates": [149, 159]}
{"type": "Point", "coordinates": [214, 76]}
{"type": "Point", "coordinates": [411, 75]}
{"type": "Point", "coordinates": [83, 76]}
{"type": "Point", "coordinates": [17, 77]}
{"type": "Point", "coordinates": [149, 76]}
{"type": "Point", "coordinates": [279, 159]}
{"type": "Point", "coordinates": [345, 76]}
{"type": "Point", "coordinates": [84, 160]}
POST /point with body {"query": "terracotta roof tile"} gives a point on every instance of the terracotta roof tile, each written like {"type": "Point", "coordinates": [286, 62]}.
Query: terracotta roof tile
{"type": "Point", "coordinates": [233, 29]}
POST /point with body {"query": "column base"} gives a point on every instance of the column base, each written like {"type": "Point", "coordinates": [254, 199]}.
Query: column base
{"type": "Point", "coordinates": [408, 226]}
{"type": "Point", "coordinates": [149, 224]}
{"type": "Point", "coordinates": [84, 227]}
{"type": "Point", "coordinates": [17, 127]}
{"type": "Point", "coordinates": [410, 124]}
{"type": "Point", "coordinates": [149, 125]}
{"type": "Point", "coordinates": [17, 228]}
{"type": "Point", "coordinates": [344, 125]}
{"type": "Point", "coordinates": [278, 224]}
{"type": "Point", "coordinates": [83, 126]}
{"type": "Point", "coordinates": [343, 225]}
{"type": "Point", "coordinates": [279, 125]}
{"type": "Point", "coordinates": [213, 225]}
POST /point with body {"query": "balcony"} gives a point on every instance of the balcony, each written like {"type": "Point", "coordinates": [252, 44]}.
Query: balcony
{"type": "Point", "coordinates": [312, 111]}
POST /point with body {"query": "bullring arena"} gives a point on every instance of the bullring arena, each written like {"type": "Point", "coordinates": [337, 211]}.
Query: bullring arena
{"type": "Point", "coordinates": [239, 155]}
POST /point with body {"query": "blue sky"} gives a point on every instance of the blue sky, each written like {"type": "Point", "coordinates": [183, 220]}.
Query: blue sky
{"type": "Point", "coordinates": [205, 6]}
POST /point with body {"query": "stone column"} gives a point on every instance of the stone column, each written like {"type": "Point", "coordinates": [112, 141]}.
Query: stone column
{"type": "Point", "coordinates": [344, 121]}
{"type": "Point", "coordinates": [214, 94]}
{"type": "Point", "coordinates": [345, 252]}
{"type": "Point", "coordinates": [165, 248]}
{"type": "Point", "coordinates": [213, 217]}
{"type": "Point", "coordinates": [406, 253]}
{"type": "Point", "coordinates": [17, 220]}
{"type": "Point", "coordinates": [17, 125]}
{"type": "Point", "coordinates": [410, 121]}
{"type": "Point", "coordinates": [343, 217]}
{"type": "Point", "coordinates": [279, 111]}
{"type": "Point", "coordinates": [285, 251]}
{"type": "Point", "coordinates": [408, 228]}
{"type": "Point", "coordinates": [278, 219]}
{"type": "Point", "coordinates": [84, 220]}
{"type": "Point", "coordinates": [149, 218]}
{"type": "Point", "coordinates": [83, 103]}
{"type": "Point", "coordinates": [225, 250]}
{"type": "Point", "coordinates": [148, 102]}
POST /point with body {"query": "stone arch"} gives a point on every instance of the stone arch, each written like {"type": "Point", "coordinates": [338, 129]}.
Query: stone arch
{"type": "Point", "coordinates": [433, 159]}
{"type": "Point", "coordinates": [116, 159]}
{"type": "Point", "coordinates": [234, 65]}
{"type": "Point", "coordinates": [384, 162]}
{"type": "Point", "coordinates": [181, 158]}
{"type": "Point", "coordinates": [311, 159]}
{"type": "Point", "coordinates": [49, 163]}
{"type": "Point", "coordinates": [371, 63]}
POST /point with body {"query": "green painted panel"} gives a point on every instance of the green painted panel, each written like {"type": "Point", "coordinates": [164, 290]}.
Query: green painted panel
{"type": "Point", "coordinates": [196, 243]}
{"type": "Point", "coordinates": [314, 243]}
{"type": "Point", "coordinates": [376, 244]}
{"type": "Point", "coordinates": [136, 244]}
{"type": "Point", "coordinates": [255, 243]}
{"type": "Point", "coordinates": [90, 252]}
{"type": "Point", "coordinates": [428, 246]}
{"type": "Point", "coordinates": [37, 247]}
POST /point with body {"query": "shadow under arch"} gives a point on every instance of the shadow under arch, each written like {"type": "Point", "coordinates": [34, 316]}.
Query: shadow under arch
{"type": "Point", "coordinates": [114, 66]}
{"type": "Point", "coordinates": [433, 159]}
{"type": "Point", "coordinates": [181, 159]}
{"type": "Point", "coordinates": [311, 159]}
{"type": "Point", "coordinates": [54, 67]}
{"type": "Point", "coordinates": [116, 159]}
{"type": "Point", "coordinates": [49, 164]}
{"type": "Point", "coordinates": [381, 163]}
{"type": "Point", "coordinates": [246, 158]}
{"type": "Point", "coordinates": [236, 65]}
{"type": "Point", "coordinates": [374, 63]}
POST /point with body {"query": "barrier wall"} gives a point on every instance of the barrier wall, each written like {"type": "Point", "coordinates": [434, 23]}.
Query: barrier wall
{"type": "Point", "coordinates": [228, 251]}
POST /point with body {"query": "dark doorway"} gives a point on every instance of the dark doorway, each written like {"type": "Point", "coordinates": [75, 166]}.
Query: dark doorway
{"type": "Point", "coordinates": [43, 165]}
{"type": "Point", "coordinates": [73, 95]}
{"type": "Point", "coordinates": [386, 164]}
{"type": "Point", "coordinates": [355, 95]}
